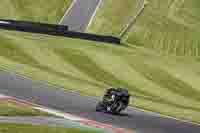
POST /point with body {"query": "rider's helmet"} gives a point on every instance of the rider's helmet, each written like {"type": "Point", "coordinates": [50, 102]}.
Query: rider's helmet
{"type": "Point", "coordinates": [109, 96]}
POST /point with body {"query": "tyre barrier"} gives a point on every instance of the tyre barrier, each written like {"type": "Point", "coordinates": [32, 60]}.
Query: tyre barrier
{"type": "Point", "coordinates": [53, 29]}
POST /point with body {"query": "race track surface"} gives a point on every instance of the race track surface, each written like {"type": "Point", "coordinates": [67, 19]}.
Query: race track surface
{"type": "Point", "coordinates": [79, 15]}
{"type": "Point", "coordinates": [73, 103]}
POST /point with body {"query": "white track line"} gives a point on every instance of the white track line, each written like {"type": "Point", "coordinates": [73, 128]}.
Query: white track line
{"type": "Point", "coordinates": [93, 15]}
{"type": "Point", "coordinates": [3, 96]}
{"type": "Point", "coordinates": [72, 4]}
{"type": "Point", "coordinates": [44, 109]}
{"type": "Point", "coordinates": [59, 113]}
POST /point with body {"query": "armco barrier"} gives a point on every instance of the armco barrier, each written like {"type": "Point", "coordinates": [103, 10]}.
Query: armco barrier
{"type": "Point", "coordinates": [32, 26]}
{"type": "Point", "coordinates": [93, 37]}
{"type": "Point", "coordinates": [56, 30]}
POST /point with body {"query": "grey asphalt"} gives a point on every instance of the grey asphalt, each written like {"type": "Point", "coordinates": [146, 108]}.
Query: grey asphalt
{"type": "Point", "coordinates": [79, 15]}
{"type": "Point", "coordinates": [84, 106]}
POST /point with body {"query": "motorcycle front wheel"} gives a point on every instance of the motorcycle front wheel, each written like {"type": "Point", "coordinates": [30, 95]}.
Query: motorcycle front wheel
{"type": "Point", "coordinates": [100, 107]}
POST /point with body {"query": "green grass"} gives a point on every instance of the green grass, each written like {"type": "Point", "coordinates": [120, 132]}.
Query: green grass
{"type": "Point", "coordinates": [160, 83]}
{"type": "Point", "coordinates": [12, 109]}
{"type": "Point", "coordinates": [21, 128]}
{"type": "Point", "coordinates": [49, 11]}
{"type": "Point", "coordinates": [112, 16]}
{"type": "Point", "coordinates": [170, 27]}
{"type": "Point", "coordinates": [147, 64]}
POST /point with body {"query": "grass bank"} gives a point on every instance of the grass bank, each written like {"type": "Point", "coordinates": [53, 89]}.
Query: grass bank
{"type": "Point", "coordinates": [170, 27]}
{"type": "Point", "coordinates": [16, 128]}
{"type": "Point", "coordinates": [48, 11]}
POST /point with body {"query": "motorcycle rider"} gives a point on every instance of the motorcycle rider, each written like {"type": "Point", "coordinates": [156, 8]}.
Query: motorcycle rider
{"type": "Point", "coordinates": [114, 100]}
{"type": "Point", "coordinates": [109, 97]}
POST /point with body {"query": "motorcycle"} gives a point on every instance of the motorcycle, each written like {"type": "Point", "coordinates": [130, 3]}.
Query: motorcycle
{"type": "Point", "coordinates": [114, 101]}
